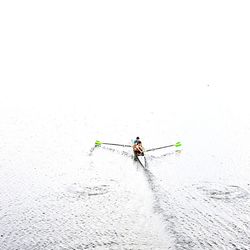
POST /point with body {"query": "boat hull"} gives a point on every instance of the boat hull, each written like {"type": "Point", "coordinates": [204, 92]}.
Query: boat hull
{"type": "Point", "coordinates": [141, 159]}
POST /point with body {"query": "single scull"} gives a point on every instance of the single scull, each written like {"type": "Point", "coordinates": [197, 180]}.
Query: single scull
{"type": "Point", "coordinates": [141, 159]}
{"type": "Point", "coordinates": [138, 157]}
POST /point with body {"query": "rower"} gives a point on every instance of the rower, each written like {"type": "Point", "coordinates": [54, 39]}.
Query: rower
{"type": "Point", "coordinates": [138, 149]}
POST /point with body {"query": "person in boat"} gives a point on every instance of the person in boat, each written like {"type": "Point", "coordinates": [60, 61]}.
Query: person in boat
{"type": "Point", "coordinates": [138, 148]}
{"type": "Point", "coordinates": [137, 139]}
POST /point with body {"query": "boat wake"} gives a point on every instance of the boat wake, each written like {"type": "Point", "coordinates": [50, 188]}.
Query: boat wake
{"type": "Point", "coordinates": [203, 216]}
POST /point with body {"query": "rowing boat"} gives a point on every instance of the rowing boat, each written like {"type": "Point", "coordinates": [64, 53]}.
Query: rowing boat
{"type": "Point", "coordinates": [141, 159]}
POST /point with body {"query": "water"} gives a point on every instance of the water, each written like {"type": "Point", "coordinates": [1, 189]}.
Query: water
{"type": "Point", "coordinates": [59, 192]}
{"type": "Point", "coordinates": [73, 73]}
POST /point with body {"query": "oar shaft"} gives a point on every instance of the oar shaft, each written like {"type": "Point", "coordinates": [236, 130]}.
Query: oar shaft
{"type": "Point", "coordinates": [115, 144]}
{"type": "Point", "coordinates": [152, 149]}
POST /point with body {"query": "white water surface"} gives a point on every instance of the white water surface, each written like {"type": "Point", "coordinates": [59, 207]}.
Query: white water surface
{"type": "Point", "coordinates": [73, 73]}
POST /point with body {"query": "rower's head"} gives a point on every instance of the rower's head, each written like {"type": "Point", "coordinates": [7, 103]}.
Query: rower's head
{"type": "Point", "coordinates": [137, 138]}
{"type": "Point", "coordinates": [139, 142]}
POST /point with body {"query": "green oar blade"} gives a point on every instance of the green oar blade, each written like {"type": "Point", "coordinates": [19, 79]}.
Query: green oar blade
{"type": "Point", "coordinates": [98, 143]}
{"type": "Point", "coordinates": [178, 144]}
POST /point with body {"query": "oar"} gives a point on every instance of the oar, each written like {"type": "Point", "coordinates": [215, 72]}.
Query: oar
{"type": "Point", "coordinates": [98, 143]}
{"type": "Point", "coordinates": [177, 144]}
